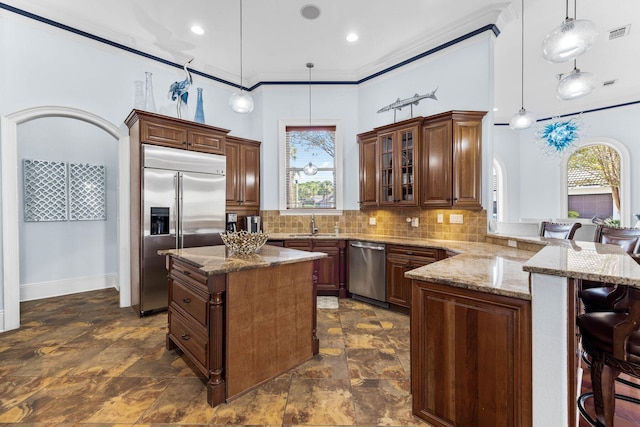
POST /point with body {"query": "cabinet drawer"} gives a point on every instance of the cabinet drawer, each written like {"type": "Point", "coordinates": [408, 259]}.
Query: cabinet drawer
{"type": "Point", "coordinates": [188, 273]}
{"type": "Point", "coordinates": [190, 337]}
{"type": "Point", "coordinates": [163, 134]}
{"type": "Point", "coordinates": [194, 304]}
{"type": "Point", "coordinates": [432, 254]}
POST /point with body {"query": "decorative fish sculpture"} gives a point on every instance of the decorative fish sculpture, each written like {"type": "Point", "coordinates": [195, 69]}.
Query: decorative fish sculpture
{"type": "Point", "coordinates": [178, 91]}
{"type": "Point", "coordinates": [414, 100]}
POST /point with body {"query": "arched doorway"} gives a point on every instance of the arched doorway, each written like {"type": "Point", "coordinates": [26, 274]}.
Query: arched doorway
{"type": "Point", "coordinates": [625, 184]}
{"type": "Point", "coordinates": [10, 237]}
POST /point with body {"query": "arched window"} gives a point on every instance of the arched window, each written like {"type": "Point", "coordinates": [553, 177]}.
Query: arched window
{"type": "Point", "coordinates": [498, 191]}
{"type": "Point", "coordinates": [596, 181]}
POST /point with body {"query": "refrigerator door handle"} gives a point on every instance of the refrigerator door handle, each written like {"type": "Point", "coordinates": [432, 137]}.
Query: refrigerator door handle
{"type": "Point", "coordinates": [180, 210]}
{"type": "Point", "coordinates": [177, 213]}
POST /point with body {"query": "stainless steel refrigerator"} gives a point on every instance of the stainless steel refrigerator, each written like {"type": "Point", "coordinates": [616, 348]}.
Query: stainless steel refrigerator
{"type": "Point", "coordinates": [183, 206]}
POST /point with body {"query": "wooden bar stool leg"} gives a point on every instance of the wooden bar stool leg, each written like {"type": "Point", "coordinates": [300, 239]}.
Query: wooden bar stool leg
{"type": "Point", "coordinates": [603, 377]}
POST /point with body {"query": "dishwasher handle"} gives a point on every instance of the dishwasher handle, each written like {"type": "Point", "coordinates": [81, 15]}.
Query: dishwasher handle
{"type": "Point", "coordinates": [359, 245]}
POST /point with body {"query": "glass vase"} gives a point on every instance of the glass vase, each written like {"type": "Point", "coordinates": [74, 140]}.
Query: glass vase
{"type": "Point", "coordinates": [149, 103]}
{"type": "Point", "coordinates": [138, 97]}
{"type": "Point", "coordinates": [199, 117]}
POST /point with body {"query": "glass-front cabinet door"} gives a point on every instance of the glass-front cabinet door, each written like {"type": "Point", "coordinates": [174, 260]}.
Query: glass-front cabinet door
{"type": "Point", "coordinates": [397, 172]}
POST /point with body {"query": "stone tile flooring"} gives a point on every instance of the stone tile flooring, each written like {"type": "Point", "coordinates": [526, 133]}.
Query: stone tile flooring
{"type": "Point", "coordinates": [80, 360]}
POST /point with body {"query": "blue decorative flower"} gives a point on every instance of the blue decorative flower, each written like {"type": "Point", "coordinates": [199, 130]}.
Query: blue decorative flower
{"type": "Point", "coordinates": [560, 135]}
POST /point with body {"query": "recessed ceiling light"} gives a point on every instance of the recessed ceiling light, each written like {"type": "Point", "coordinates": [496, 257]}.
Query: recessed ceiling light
{"type": "Point", "coordinates": [495, 108]}
{"type": "Point", "coordinates": [310, 11]}
{"type": "Point", "coordinates": [197, 29]}
{"type": "Point", "coordinates": [351, 37]}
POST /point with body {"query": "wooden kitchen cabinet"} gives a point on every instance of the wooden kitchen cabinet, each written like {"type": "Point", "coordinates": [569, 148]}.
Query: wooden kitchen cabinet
{"type": "Point", "coordinates": [156, 129]}
{"type": "Point", "coordinates": [329, 272]}
{"type": "Point", "coordinates": [397, 154]}
{"type": "Point", "coordinates": [401, 259]}
{"type": "Point", "coordinates": [368, 150]}
{"type": "Point", "coordinates": [451, 160]}
{"type": "Point", "coordinates": [243, 175]}
{"type": "Point", "coordinates": [470, 357]}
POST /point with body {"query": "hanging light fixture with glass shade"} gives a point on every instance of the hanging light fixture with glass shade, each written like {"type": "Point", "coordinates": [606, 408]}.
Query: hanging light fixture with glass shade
{"type": "Point", "coordinates": [310, 169]}
{"type": "Point", "coordinates": [523, 119]}
{"type": "Point", "coordinates": [576, 84]}
{"type": "Point", "coordinates": [572, 38]}
{"type": "Point", "coordinates": [241, 102]}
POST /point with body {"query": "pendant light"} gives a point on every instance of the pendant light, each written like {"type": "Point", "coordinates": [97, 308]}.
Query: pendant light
{"type": "Point", "coordinates": [310, 169]}
{"type": "Point", "coordinates": [523, 119]}
{"type": "Point", "coordinates": [572, 38]}
{"type": "Point", "coordinates": [576, 84]}
{"type": "Point", "coordinates": [241, 102]}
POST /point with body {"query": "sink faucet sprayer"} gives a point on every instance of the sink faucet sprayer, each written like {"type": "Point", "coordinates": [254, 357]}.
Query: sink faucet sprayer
{"type": "Point", "coordinates": [314, 229]}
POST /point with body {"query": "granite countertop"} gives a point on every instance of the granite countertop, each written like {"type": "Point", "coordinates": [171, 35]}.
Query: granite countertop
{"type": "Point", "coordinates": [504, 270]}
{"type": "Point", "coordinates": [217, 260]}
{"type": "Point", "coordinates": [479, 266]}
{"type": "Point", "coordinates": [588, 261]}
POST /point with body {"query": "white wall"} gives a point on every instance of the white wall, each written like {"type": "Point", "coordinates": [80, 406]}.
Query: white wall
{"type": "Point", "coordinates": [61, 249]}
{"type": "Point", "coordinates": [539, 175]}
{"type": "Point", "coordinates": [45, 66]}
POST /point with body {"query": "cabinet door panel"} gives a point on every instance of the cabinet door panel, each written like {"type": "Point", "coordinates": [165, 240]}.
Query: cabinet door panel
{"type": "Point", "coordinates": [470, 357]}
{"type": "Point", "coordinates": [327, 268]}
{"type": "Point", "coordinates": [206, 142]}
{"type": "Point", "coordinates": [368, 172]}
{"type": "Point", "coordinates": [467, 164]}
{"type": "Point", "coordinates": [435, 151]}
{"type": "Point", "coordinates": [398, 292]}
{"type": "Point", "coordinates": [163, 134]}
{"type": "Point", "coordinates": [233, 186]}
{"type": "Point", "coordinates": [250, 175]}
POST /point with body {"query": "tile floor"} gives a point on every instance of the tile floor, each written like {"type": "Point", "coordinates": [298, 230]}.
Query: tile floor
{"type": "Point", "coordinates": [80, 360]}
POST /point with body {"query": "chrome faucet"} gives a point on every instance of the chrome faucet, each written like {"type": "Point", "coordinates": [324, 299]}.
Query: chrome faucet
{"type": "Point", "coordinates": [314, 229]}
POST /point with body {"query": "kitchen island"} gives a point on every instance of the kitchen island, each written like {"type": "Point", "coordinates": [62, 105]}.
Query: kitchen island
{"type": "Point", "coordinates": [241, 319]}
{"type": "Point", "coordinates": [493, 336]}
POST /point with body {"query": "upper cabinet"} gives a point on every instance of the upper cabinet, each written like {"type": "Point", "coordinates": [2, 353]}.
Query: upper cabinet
{"type": "Point", "coordinates": [243, 175]}
{"type": "Point", "coordinates": [451, 160]}
{"type": "Point", "coordinates": [430, 162]}
{"type": "Point", "coordinates": [397, 146]}
{"type": "Point", "coordinates": [368, 148]}
{"type": "Point", "coordinates": [156, 129]}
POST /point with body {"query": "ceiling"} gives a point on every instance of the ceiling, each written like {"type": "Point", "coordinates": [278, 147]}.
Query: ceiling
{"type": "Point", "coordinates": [278, 41]}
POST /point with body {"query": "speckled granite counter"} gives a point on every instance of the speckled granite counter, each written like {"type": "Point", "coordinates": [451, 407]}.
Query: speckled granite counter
{"type": "Point", "coordinates": [504, 270]}
{"type": "Point", "coordinates": [588, 261]}
{"type": "Point", "coordinates": [480, 266]}
{"type": "Point", "coordinates": [216, 259]}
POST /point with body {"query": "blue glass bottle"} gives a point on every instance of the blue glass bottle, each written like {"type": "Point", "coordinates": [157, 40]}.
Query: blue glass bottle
{"type": "Point", "coordinates": [199, 109]}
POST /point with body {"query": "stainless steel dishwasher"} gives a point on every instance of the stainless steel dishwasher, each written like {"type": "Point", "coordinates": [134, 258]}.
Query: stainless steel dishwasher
{"type": "Point", "coordinates": [367, 272]}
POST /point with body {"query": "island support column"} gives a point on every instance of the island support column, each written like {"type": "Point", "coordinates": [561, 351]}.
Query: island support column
{"type": "Point", "coordinates": [553, 311]}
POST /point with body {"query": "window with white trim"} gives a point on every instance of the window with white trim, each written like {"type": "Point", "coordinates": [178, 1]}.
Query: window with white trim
{"type": "Point", "coordinates": [310, 174]}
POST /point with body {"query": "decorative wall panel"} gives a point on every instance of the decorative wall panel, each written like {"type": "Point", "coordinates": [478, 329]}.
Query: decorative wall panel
{"type": "Point", "coordinates": [87, 192]}
{"type": "Point", "coordinates": [45, 190]}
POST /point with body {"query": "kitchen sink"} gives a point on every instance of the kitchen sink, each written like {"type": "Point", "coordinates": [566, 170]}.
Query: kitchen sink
{"type": "Point", "coordinates": [313, 235]}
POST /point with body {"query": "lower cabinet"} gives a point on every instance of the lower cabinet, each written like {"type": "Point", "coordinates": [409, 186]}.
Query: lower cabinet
{"type": "Point", "coordinates": [470, 357]}
{"type": "Point", "coordinates": [401, 259]}
{"type": "Point", "coordinates": [329, 273]}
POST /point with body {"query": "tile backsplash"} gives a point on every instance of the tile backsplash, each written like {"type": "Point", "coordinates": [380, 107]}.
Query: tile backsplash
{"type": "Point", "coordinates": [388, 223]}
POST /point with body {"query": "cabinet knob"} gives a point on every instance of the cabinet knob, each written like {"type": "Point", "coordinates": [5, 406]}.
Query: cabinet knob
{"type": "Point", "coordinates": [185, 337]}
{"type": "Point", "coordinates": [186, 300]}
{"type": "Point", "coordinates": [187, 273]}
{"type": "Point", "coordinates": [455, 199]}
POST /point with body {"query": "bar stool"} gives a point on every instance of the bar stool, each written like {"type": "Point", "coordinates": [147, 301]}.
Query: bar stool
{"type": "Point", "coordinates": [558, 230]}
{"type": "Point", "coordinates": [612, 339]}
{"type": "Point", "coordinates": [598, 296]}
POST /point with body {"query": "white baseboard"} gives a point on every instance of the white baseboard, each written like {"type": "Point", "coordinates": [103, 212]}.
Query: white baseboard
{"type": "Point", "coordinates": [54, 288]}
{"type": "Point", "coordinates": [1, 320]}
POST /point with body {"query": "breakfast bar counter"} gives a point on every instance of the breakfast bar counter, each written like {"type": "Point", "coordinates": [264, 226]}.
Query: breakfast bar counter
{"type": "Point", "coordinates": [241, 319]}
